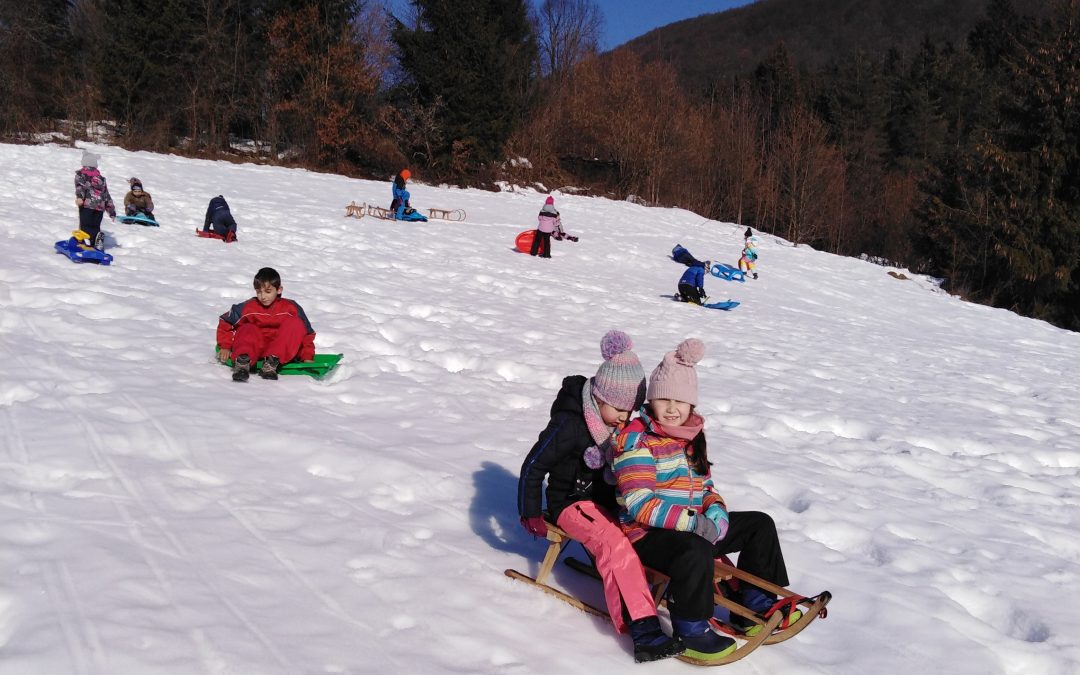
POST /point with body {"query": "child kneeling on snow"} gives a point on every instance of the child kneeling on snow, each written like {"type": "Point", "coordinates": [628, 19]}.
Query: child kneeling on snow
{"type": "Point", "coordinates": [399, 203]}
{"type": "Point", "coordinates": [266, 327]}
{"type": "Point", "coordinates": [692, 284]}
{"type": "Point", "coordinates": [571, 453]}
{"type": "Point", "coordinates": [671, 511]}
{"type": "Point", "coordinates": [219, 215]}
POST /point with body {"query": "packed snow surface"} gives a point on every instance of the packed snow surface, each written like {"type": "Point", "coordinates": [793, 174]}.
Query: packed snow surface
{"type": "Point", "coordinates": [919, 454]}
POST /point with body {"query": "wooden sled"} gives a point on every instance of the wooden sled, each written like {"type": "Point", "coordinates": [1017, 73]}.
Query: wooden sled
{"type": "Point", "coordinates": [380, 212]}
{"type": "Point", "coordinates": [456, 215]}
{"type": "Point", "coordinates": [360, 210]}
{"type": "Point", "coordinates": [813, 607]}
{"type": "Point", "coordinates": [658, 583]}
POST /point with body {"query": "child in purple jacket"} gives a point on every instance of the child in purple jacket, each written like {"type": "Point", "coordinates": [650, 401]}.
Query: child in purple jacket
{"type": "Point", "coordinates": [92, 197]}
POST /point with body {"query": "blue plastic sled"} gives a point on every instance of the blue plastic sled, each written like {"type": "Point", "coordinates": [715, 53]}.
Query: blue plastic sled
{"type": "Point", "coordinates": [71, 249]}
{"type": "Point", "coordinates": [723, 304]}
{"type": "Point", "coordinates": [139, 219]}
{"type": "Point", "coordinates": [727, 272]}
{"type": "Point", "coordinates": [727, 304]}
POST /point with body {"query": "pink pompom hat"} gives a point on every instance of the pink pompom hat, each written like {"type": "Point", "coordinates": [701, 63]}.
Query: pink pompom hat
{"type": "Point", "coordinates": [675, 377]}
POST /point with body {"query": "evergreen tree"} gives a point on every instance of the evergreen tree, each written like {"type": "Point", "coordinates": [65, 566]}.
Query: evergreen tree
{"type": "Point", "coordinates": [1003, 219]}
{"type": "Point", "coordinates": [916, 127]}
{"type": "Point", "coordinates": [34, 52]}
{"type": "Point", "coordinates": [140, 57]}
{"type": "Point", "coordinates": [776, 86]}
{"type": "Point", "coordinates": [996, 39]}
{"type": "Point", "coordinates": [851, 97]}
{"type": "Point", "coordinates": [472, 60]}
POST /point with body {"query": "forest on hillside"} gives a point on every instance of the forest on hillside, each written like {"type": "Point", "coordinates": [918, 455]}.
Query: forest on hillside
{"type": "Point", "coordinates": [957, 159]}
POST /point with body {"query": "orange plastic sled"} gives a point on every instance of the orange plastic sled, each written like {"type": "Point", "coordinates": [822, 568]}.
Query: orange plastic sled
{"type": "Point", "coordinates": [524, 241]}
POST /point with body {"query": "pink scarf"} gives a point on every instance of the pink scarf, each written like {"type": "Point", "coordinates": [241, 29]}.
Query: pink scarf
{"type": "Point", "coordinates": [694, 424]}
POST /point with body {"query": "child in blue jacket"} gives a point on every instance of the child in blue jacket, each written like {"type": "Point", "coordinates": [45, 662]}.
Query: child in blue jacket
{"type": "Point", "coordinates": [692, 285]}
{"type": "Point", "coordinates": [399, 205]}
{"type": "Point", "coordinates": [680, 255]}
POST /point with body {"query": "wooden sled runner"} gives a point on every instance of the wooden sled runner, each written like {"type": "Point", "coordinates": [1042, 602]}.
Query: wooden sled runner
{"type": "Point", "coordinates": [456, 215]}
{"type": "Point", "coordinates": [379, 212]}
{"type": "Point", "coordinates": [360, 210]}
{"type": "Point", "coordinates": [658, 582]}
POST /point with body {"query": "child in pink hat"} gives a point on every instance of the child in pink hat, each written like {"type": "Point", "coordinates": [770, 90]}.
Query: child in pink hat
{"type": "Point", "coordinates": [671, 511]}
{"type": "Point", "coordinates": [570, 453]}
{"type": "Point", "coordinates": [547, 222]}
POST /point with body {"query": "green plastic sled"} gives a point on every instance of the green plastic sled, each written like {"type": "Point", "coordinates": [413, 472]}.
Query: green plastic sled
{"type": "Point", "coordinates": [318, 368]}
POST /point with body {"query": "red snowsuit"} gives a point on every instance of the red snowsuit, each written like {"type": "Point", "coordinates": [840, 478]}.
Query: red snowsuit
{"type": "Point", "coordinates": [280, 330]}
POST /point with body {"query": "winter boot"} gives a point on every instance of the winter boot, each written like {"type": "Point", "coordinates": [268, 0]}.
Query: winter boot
{"type": "Point", "coordinates": [269, 368]}
{"type": "Point", "coordinates": [761, 603]}
{"type": "Point", "coordinates": [241, 369]}
{"type": "Point", "coordinates": [700, 640]}
{"type": "Point", "coordinates": [650, 642]}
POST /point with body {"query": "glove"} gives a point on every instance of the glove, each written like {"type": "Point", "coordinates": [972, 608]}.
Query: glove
{"type": "Point", "coordinates": [535, 526]}
{"type": "Point", "coordinates": [719, 518]}
{"type": "Point", "coordinates": [706, 528]}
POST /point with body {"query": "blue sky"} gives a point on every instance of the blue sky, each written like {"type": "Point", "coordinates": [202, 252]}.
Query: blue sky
{"type": "Point", "coordinates": [624, 20]}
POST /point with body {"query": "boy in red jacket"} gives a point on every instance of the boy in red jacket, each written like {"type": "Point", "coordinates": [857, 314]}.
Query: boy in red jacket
{"type": "Point", "coordinates": [266, 327]}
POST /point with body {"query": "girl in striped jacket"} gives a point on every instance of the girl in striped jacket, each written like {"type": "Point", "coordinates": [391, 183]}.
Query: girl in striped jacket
{"type": "Point", "coordinates": [671, 512]}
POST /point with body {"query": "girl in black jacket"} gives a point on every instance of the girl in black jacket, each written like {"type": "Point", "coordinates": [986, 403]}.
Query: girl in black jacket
{"type": "Point", "coordinates": [573, 453]}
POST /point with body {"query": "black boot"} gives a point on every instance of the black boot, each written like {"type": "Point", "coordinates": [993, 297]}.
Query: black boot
{"type": "Point", "coordinates": [241, 369]}
{"type": "Point", "coordinates": [650, 641]}
{"type": "Point", "coordinates": [269, 368]}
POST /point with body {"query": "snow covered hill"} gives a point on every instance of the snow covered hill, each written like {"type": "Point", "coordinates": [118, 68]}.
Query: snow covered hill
{"type": "Point", "coordinates": [919, 454]}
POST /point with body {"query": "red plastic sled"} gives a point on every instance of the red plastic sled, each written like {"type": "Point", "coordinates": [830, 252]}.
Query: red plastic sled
{"type": "Point", "coordinates": [209, 234]}
{"type": "Point", "coordinates": [524, 241]}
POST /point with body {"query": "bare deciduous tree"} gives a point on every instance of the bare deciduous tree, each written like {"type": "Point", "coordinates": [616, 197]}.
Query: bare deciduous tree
{"type": "Point", "coordinates": [810, 178]}
{"type": "Point", "coordinates": [569, 30]}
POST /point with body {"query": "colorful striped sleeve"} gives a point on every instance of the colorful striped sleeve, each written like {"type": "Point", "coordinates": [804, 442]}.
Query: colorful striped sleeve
{"type": "Point", "coordinates": [635, 473]}
{"type": "Point", "coordinates": [711, 495]}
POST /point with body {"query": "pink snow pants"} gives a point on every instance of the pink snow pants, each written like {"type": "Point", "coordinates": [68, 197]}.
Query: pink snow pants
{"type": "Point", "coordinates": [285, 344]}
{"type": "Point", "coordinates": [616, 560]}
